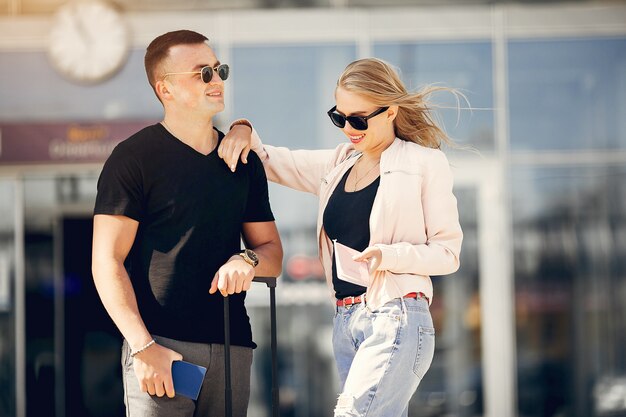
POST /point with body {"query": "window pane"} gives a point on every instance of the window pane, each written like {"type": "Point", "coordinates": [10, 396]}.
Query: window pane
{"type": "Point", "coordinates": [32, 90]}
{"type": "Point", "coordinates": [570, 282]}
{"type": "Point", "coordinates": [567, 94]}
{"type": "Point", "coordinates": [465, 66]}
{"type": "Point", "coordinates": [285, 91]}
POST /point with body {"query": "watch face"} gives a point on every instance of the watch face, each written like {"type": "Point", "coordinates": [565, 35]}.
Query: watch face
{"type": "Point", "coordinates": [89, 41]}
{"type": "Point", "coordinates": [252, 256]}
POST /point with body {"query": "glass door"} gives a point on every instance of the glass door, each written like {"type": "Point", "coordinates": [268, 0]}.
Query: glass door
{"type": "Point", "coordinates": [454, 383]}
{"type": "Point", "coordinates": [11, 307]}
{"type": "Point", "coordinates": [471, 309]}
{"type": "Point", "coordinates": [72, 347]}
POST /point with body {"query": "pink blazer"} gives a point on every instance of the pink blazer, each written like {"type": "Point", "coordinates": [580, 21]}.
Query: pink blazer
{"type": "Point", "coordinates": [414, 219]}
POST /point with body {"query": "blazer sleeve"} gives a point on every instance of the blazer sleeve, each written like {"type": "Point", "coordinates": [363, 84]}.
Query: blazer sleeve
{"type": "Point", "coordinates": [302, 170]}
{"type": "Point", "coordinates": [440, 254]}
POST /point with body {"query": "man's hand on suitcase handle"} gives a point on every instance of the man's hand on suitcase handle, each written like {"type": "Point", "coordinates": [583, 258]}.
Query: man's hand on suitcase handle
{"type": "Point", "coordinates": [234, 276]}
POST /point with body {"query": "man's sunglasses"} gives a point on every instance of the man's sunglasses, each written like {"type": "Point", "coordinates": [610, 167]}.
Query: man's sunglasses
{"type": "Point", "coordinates": [357, 122]}
{"type": "Point", "coordinates": [206, 73]}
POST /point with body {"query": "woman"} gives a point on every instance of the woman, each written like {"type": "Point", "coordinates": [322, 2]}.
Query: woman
{"type": "Point", "coordinates": [388, 194]}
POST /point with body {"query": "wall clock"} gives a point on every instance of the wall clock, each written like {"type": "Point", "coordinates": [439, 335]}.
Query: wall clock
{"type": "Point", "coordinates": [89, 41]}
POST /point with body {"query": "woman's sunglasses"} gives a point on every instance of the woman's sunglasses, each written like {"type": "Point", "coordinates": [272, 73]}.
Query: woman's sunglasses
{"type": "Point", "coordinates": [206, 73]}
{"type": "Point", "coordinates": [357, 122]}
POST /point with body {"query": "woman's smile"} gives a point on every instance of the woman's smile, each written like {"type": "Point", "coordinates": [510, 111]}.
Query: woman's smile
{"type": "Point", "coordinates": [357, 138]}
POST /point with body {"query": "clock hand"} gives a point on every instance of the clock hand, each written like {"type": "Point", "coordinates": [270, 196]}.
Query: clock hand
{"type": "Point", "coordinates": [80, 26]}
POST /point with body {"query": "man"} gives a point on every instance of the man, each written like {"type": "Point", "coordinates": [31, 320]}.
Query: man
{"type": "Point", "coordinates": [168, 222]}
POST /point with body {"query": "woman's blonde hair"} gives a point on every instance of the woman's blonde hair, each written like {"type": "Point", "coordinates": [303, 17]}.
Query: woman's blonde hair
{"type": "Point", "coordinates": [379, 82]}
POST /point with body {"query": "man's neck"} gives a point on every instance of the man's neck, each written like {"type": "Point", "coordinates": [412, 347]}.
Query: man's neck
{"type": "Point", "coordinates": [199, 135]}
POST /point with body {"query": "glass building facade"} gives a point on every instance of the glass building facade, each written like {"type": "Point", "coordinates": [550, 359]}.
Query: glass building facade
{"type": "Point", "coordinates": [533, 323]}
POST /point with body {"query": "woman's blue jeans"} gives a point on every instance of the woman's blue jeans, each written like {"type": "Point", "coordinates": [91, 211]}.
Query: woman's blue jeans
{"type": "Point", "coordinates": [381, 355]}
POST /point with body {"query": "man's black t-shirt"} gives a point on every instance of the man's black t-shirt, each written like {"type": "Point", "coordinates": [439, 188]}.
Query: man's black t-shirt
{"type": "Point", "coordinates": [190, 208]}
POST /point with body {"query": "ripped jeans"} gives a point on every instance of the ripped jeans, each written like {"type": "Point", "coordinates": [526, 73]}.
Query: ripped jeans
{"type": "Point", "coordinates": [381, 356]}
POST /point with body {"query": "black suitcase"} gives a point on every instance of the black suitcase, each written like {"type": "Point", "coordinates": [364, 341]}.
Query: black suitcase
{"type": "Point", "coordinates": [271, 284]}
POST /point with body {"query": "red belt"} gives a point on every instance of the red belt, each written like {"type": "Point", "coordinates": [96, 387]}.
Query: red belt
{"type": "Point", "coordinates": [348, 301]}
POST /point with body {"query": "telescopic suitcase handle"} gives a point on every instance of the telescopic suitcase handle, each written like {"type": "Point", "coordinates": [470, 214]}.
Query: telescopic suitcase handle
{"type": "Point", "coordinates": [271, 284]}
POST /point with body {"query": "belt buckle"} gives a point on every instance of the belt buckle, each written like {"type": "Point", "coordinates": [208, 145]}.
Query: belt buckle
{"type": "Point", "coordinates": [349, 301]}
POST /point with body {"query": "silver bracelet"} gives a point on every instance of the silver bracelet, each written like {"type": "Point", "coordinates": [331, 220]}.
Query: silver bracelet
{"type": "Point", "coordinates": [146, 346]}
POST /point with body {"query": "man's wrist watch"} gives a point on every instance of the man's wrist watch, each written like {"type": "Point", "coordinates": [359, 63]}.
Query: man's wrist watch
{"type": "Point", "coordinates": [249, 256]}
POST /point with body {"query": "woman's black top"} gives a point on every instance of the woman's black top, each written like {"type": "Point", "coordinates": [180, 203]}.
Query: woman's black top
{"type": "Point", "coordinates": [346, 218]}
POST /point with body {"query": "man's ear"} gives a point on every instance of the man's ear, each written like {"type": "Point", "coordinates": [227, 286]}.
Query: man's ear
{"type": "Point", "coordinates": [162, 90]}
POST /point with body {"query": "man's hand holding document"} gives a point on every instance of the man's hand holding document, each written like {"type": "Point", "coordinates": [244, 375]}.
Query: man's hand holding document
{"type": "Point", "coordinates": [347, 268]}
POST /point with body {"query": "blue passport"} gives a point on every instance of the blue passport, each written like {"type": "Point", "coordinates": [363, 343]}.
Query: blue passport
{"type": "Point", "coordinates": [187, 378]}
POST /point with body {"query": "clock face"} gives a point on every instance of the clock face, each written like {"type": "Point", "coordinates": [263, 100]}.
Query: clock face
{"type": "Point", "coordinates": [89, 41]}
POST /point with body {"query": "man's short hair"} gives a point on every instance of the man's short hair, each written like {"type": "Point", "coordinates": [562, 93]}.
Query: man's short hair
{"type": "Point", "coordinates": [159, 49]}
